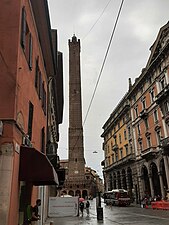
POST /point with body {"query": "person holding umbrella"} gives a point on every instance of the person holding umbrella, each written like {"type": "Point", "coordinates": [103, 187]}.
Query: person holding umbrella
{"type": "Point", "coordinates": [81, 205]}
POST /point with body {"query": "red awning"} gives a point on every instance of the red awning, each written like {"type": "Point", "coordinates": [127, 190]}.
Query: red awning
{"type": "Point", "coordinates": [35, 167]}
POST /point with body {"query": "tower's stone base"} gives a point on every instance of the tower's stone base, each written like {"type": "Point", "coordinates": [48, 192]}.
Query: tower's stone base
{"type": "Point", "coordinates": [82, 188]}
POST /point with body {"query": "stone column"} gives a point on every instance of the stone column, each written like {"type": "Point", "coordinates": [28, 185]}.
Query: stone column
{"type": "Point", "coordinates": [142, 183]}
{"type": "Point", "coordinates": [151, 185]}
{"type": "Point", "coordinates": [166, 169]}
{"type": "Point", "coordinates": [161, 184]}
{"type": "Point", "coordinates": [6, 169]}
{"type": "Point", "coordinates": [122, 186]}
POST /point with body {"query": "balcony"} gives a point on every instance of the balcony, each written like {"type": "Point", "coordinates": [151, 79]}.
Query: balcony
{"type": "Point", "coordinates": [165, 145]}
{"type": "Point", "coordinates": [115, 147]}
{"type": "Point", "coordinates": [143, 114]}
{"type": "Point", "coordinates": [148, 153]}
{"type": "Point", "coordinates": [162, 95]}
{"type": "Point", "coordinates": [103, 163]}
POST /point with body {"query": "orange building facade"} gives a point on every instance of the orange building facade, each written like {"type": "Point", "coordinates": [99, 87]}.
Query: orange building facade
{"type": "Point", "coordinates": [27, 62]}
{"type": "Point", "coordinates": [147, 129]}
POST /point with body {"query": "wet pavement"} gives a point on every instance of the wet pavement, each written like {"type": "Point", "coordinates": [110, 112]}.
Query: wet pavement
{"type": "Point", "coordinates": [132, 215]}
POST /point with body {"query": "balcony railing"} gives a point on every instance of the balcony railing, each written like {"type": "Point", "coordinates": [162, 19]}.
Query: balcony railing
{"type": "Point", "coordinates": [162, 95]}
{"type": "Point", "coordinates": [148, 152]}
{"type": "Point", "coordinates": [115, 147]}
{"type": "Point", "coordinates": [143, 113]}
{"type": "Point", "coordinates": [165, 142]}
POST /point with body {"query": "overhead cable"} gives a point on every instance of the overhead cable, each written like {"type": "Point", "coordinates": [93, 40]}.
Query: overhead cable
{"type": "Point", "coordinates": [104, 60]}
{"type": "Point", "coordinates": [97, 20]}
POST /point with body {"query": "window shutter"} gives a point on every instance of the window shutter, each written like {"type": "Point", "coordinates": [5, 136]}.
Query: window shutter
{"type": "Point", "coordinates": [23, 28]}
{"type": "Point", "coordinates": [30, 51]}
{"type": "Point", "coordinates": [30, 120]}
{"type": "Point", "coordinates": [43, 99]}
{"type": "Point", "coordinates": [36, 73]}
{"type": "Point", "coordinates": [40, 85]}
{"type": "Point", "coordinates": [44, 102]}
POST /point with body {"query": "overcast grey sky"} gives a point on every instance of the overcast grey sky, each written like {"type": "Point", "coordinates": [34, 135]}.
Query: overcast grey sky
{"type": "Point", "coordinates": [136, 31]}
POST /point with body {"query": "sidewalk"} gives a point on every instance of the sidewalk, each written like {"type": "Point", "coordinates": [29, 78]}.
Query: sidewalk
{"type": "Point", "coordinates": [113, 216]}
{"type": "Point", "coordinates": [85, 220]}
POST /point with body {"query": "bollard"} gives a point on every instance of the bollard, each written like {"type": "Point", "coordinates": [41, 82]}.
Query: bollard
{"type": "Point", "coordinates": [100, 213]}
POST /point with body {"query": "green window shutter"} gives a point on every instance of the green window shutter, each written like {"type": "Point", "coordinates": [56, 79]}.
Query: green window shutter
{"type": "Point", "coordinates": [23, 28]}
{"type": "Point", "coordinates": [30, 50]}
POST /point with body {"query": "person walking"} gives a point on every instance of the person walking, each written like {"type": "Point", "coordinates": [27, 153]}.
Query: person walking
{"type": "Point", "coordinates": [81, 206]}
{"type": "Point", "coordinates": [35, 212]}
{"type": "Point", "coordinates": [87, 207]}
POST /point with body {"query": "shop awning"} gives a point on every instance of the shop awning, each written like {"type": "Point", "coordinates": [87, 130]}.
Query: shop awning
{"type": "Point", "coordinates": [35, 167]}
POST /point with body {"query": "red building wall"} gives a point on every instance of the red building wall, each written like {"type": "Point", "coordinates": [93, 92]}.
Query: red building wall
{"type": "Point", "coordinates": [17, 88]}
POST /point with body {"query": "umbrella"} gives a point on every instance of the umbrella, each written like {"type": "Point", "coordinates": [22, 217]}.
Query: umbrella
{"type": "Point", "coordinates": [66, 196]}
{"type": "Point", "coordinates": [81, 199]}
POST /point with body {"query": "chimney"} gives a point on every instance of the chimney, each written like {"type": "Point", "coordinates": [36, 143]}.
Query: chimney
{"type": "Point", "coordinates": [130, 84]}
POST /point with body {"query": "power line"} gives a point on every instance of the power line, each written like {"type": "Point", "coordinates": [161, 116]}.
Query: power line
{"type": "Point", "coordinates": [104, 60]}
{"type": "Point", "coordinates": [105, 57]}
{"type": "Point", "coordinates": [97, 20]}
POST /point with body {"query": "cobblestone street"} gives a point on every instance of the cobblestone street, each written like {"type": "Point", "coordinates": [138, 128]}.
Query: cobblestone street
{"type": "Point", "coordinates": [115, 215]}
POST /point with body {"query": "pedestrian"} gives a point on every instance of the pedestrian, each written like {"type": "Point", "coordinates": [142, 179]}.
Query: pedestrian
{"type": "Point", "coordinates": [87, 207]}
{"type": "Point", "coordinates": [35, 212]}
{"type": "Point", "coordinates": [81, 206]}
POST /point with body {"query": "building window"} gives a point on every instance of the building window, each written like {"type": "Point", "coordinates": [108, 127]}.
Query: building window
{"type": "Point", "coordinates": [116, 156]}
{"type": "Point", "coordinates": [127, 116]}
{"type": "Point", "coordinates": [40, 91]}
{"type": "Point", "coordinates": [37, 74]}
{"type": "Point", "coordinates": [148, 142]}
{"type": "Point", "coordinates": [127, 149]}
{"type": "Point", "coordinates": [118, 125]}
{"type": "Point", "coordinates": [121, 153]}
{"type": "Point", "coordinates": [152, 95]}
{"type": "Point", "coordinates": [125, 135]}
{"type": "Point", "coordinates": [162, 83]}
{"type": "Point", "coordinates": [108, 149]}
{"type": "Point", "coordinates": [136, 111]}
{"type": "Point", "coordinates": [146, 123]}
{"type": "Point", "coordinates": [150, 80]}
{"type": "Point", "coordinates": [112, 158]}
{"type": "Point", "coordinates": [131, 148]}
{"type": "Point", "coordinates": [158, 135]}
{"type": "Point", "coordinates": [30, 120]}
{"type": "Point", "coordinates": [166, 107]}
{"type": "Point", "coordinates": [115, 140]}
{"type": "Point", "coordinates": [138, 129]}
{"type": "Point", "coordinates": [141, 145]}
{"type": "Point", "coordinates": [143, 103]}
{"type": "Point", "coordinates": [120, 139]}
{"type": "Point", "coordinates": [26, 39]}
{"type": "Point", "coordinates": [155, 116]}
{"type": "Point", "coordinates": [134, 98]}
{"type": "Point", "coordinates": [142, 89]}
{"type": "Point", "coordinates": [43, 99]}
{"type": "Point", "coordinates": [43, 140]}
{"type": "Point", "coordinates": [129, 132]}
{"type": "Point", "coordinates": [109, 160]}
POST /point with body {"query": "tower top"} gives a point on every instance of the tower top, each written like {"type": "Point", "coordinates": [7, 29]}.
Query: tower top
{"type": "Point", "coordinates": [74, 40]}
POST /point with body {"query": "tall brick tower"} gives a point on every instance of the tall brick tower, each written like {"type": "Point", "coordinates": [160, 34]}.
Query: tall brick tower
{"type": "Point", "coordinates": [76, 166]}
{"type": "Point", "coordinates": [79, 180]}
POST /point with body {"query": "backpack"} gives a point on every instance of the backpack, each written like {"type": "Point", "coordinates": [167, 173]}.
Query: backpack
{"type": "Point", "coordinates": [87, 204]}
{"type": "Point", "coordinates": [29, 212]}
{"type": "Point", "coordinates": [81, 205]}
